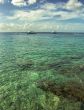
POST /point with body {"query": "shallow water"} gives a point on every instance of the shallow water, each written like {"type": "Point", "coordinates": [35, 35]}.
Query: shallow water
{"type": "Point", "coordinates": [27, 59]}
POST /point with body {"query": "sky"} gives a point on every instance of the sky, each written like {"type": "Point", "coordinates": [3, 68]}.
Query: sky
{"type": "Point", "coordinates": [42, 15]}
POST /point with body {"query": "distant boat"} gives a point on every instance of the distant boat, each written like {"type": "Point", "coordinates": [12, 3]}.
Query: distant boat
{"type": "Point", "coordinates": [31, 32]}
{"type": "Point", "coordinates": [53, 32]}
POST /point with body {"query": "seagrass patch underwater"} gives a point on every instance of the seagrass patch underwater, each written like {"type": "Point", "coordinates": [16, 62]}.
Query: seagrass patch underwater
{"type": "Point", "coordinates": [41, 71]}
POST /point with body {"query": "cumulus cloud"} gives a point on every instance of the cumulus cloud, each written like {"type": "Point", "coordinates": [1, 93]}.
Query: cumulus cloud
{"type": "Point", "coordinates": [70, 5]}
{"type": "Point", "coordinates": [32, 1]}
{"type": "Point", "coordinates": [46, 12]}
{"type": "Point", "coordinates": [49, 6]}
{"type": "Point", "coordinates": [73, 4]}
{"type": "Point", "coordinates": [52, 6]}
{"type": "Point", "coordinates": [41, 27]}
{"type": "Point", "coordinates": [23, 2]}
{"type": "Point", "coordinates": [39, 18]}
{"type": "Point", "coordinates": [64, 11]}
{"type": "Point", "coordinates": [18, 2]}
{"type": "Point", "coordinates": [33, 15]}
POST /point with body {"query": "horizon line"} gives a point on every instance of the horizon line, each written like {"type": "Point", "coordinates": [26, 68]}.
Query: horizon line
{"type": "Point", "coordinates": [32, 32]}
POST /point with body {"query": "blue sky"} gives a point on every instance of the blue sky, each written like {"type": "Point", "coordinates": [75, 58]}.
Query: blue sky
{"type": "Point", "coordinates": [42, 15]}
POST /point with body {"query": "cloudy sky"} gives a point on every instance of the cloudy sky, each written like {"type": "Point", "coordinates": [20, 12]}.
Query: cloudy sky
{"type": "Point", "coordinates": [42, 15]}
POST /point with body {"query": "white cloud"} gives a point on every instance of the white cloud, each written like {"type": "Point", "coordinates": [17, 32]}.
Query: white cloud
{"type": "Point", "coordinates": [49, 6]}
{"type": "Point", "coordinates": [9, 27]}
{"type": "Point", "coordinates": [49, 11]}
{"type": "Point", "coordinates": [73, 4]}
{"type": "Point", "coordinates": [12, 27]}
{"type": "Point", "coordinates": [33, 15]}
{"type": "Point", "coordinates": [23, 2]}
{"type": "Point", "coordinates": [70, 5]}
{"type": "Point", "coordinates": [65, 15]}
{"type": "Point", "coordinates": [1, 1]}
{"type": "Point", "coordinates": [18, 2]}
{"type": "Point", "coordinates": [32, 1]}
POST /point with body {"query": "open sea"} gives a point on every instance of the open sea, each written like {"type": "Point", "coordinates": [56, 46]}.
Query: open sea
{"type": "Point", "coordinates": [31, 65]}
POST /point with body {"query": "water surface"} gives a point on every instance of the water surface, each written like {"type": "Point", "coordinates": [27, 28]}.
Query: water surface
{"type": "Point", "coordinates": [27, 59]}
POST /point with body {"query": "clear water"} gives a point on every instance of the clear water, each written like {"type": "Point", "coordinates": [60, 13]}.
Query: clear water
{"type": "Point", "coordinates": [27, 59]}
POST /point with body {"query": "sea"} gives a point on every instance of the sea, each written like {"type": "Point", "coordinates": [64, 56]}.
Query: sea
{"type": "Point", "coordinates": [31, 65]}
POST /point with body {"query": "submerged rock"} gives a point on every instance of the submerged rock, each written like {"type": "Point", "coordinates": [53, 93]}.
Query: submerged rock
{"type": "Point", "coordinates": [77, 57]}
{"type": "Point", "coordinates": [81, 67]}
{"type": "Point", "coordinates": [70, 90]}
{"type": "Point", "coordinates": [26, 65]}
{"type": "Point", "coordinates": [57, 65]}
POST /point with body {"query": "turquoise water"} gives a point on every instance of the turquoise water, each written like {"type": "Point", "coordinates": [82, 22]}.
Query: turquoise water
{"type": "Point", "coordinates": [27, 59]}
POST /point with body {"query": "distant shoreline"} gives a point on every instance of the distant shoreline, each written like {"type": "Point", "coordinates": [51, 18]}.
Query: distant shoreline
{"type": "Point", "coordinates": [15, 33]}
